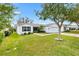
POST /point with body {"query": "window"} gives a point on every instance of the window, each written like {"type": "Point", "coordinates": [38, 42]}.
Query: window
{"type": "Point", "coordinates": [28, 28]}
{"type": "Point", "coordinates": [24, 28]}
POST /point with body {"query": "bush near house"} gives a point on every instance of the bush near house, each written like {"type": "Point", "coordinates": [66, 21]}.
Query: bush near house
{"type": "Point", "coordinates": [27, 33]}
{"type": "Point", "coordinates": [67, 31]}
{"type": "Point", "coordinates": [7, 33]}
{"type": "Point", "coordinates": [41, 29]}
{"type": "Point", "coordinates": [12, 29]}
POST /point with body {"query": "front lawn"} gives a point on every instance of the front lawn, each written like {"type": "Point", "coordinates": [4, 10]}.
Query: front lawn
{"type": "Point", "coordinates": [34, 45]}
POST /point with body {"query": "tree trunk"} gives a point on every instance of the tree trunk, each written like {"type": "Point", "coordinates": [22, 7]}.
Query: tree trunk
{"type": "Point", "coordinates": [59, 33]}
{"type": "Point", "coordinates": [77, 25]}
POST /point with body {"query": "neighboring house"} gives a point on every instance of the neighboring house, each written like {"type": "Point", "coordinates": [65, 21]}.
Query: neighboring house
{"type": "Point", "coordinates": [52, 28]}
{"type": "Point", "coordinates": [72, 26]}
{"type": "Point", "coordinates": [24, 26]}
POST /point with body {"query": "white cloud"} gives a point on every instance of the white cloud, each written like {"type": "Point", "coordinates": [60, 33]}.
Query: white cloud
{"type": "Point", "coordinates": [17, 12]}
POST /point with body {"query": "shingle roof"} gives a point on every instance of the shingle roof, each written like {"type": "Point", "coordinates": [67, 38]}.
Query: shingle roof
{"type": "Point", "coordinates": [32, 24]}
{"type": "Point", "coordinates": [26, 21]}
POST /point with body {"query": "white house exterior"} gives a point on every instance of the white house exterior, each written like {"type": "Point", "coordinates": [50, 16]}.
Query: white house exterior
{"type": "Point", "coordinates": [21, 29]}
{"type": "Point", "coordinates": [72, 26]}
{"type": "Point", "coordinates": [30, 28]}
{"type": "Point", "coordinates": [25, 26]}
{"type": "Point", "coordinates": [52, 28]}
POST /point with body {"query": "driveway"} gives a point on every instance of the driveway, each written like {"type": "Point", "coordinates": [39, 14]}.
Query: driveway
{"type": "Point", "coordinates": [70, 34]}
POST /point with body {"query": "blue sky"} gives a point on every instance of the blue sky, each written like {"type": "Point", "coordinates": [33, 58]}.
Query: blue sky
{"type": "Point", "coordinates": [27, 10]}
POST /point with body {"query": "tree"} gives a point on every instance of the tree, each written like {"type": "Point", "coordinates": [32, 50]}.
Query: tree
{"type": "Point", "coordinates": [6, 14]}
{"type": "Point", "coordinates": [57, 12]}
{"type": "Point", "coordinates": [75, 15]}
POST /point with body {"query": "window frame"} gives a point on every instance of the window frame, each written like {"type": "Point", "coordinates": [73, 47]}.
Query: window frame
{"type": "Point", "coordinates": [26, 28]}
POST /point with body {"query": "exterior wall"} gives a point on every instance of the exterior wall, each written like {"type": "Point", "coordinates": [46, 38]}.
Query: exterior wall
{"type": "Point", "coordinates": [72, 26]}
{"type": "Point", "coordinates": [48, 29]}
{"type": "Point", "coordinates": [19, 29]}
{"type": "Point", "coordinates": [53, 29]}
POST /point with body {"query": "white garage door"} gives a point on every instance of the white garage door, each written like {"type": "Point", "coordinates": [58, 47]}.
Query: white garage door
{"type": "Point", "coordinates": [51, 30]}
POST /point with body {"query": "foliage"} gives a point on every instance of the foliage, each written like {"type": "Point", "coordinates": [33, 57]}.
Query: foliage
{"type": "Point", "coordinates": [27, 33]}
{"type": "Point", "coordinates": [11, 29]}
{"type": "Point", "coordinates": [6, 14]}
{"type": "Point", "coordinates": [75, 15]}
{"type": "Point", "coordinates": [1, 37]}
{"type": "Point", "coordinates": [41, 28]}
{"type": "Point", "coordinates": [67, 31]}
{"type": "Point", "coordinates": [7, 33]}
{"type": "Point", "coordinates": [57, 12]}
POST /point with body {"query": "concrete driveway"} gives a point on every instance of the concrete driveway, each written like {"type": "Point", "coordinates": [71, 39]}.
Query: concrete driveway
{"type": "Point", "coordinates": [70, 34]}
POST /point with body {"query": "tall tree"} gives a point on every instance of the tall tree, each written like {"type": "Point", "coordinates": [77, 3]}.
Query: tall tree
{"type": "Point", "coordinates": [57, 12]}
{"type": "Point", "coordinates": [6, 13]}
{"type": "Point", "coordinates": [75, 15]}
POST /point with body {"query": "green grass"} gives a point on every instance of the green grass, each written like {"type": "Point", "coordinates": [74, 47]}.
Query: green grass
{"type": "Point", "coordinates": [33, 45]}
{"type": "Point", "coordinates": [73, 31]}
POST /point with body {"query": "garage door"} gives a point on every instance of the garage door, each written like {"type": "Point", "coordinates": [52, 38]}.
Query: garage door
{"type": "Point", "coordinates": [52, 30]}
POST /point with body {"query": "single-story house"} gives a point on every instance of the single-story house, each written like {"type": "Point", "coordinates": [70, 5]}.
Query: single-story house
{"type": "Point", "coordinates": [24, 26]}
{"type": "Point", "coordinates": [72, 26]}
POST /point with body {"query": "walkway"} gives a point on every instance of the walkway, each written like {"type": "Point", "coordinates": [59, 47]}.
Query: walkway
{"type": "Point", "coordinates": [41, 34]}
{"type": "Point", "coordinates": [70, 34]}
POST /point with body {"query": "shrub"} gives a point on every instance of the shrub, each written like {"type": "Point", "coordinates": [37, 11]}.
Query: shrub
{"type": "Point", "coordinates": [29, 32]}
{"type": "Point", "coordinates": [67, 31]}
{"type": "Point", "coordinates": [25, 33]}
{"type": "Point", "coordinates": [12, 30]}
{"type": "Point", "coordinates": [1, 37]}
{"type": "Point", "coordinates": [7, 33]}
{"type": "Point", "coordinates": [41, 29]}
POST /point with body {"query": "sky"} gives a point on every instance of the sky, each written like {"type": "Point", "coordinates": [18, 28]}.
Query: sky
{"type": "Point", "coordinates": [28, 10]}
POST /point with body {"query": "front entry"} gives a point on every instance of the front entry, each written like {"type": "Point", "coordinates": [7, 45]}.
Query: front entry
{"type": "Point", "coordinates": [35, 29]}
